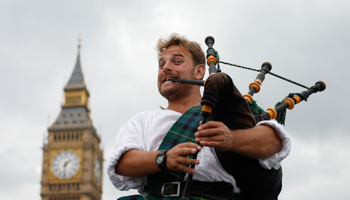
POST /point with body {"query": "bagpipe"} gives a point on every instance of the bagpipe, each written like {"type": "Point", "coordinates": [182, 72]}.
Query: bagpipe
{"type": "Point", "coordinates": [223, 102]}
{"type": "Point", "coordinates": [271, 113]}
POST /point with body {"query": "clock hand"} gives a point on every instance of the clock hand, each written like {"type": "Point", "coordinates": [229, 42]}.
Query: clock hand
{"type": "Point", "coordinates": [64, 166]}
{"type": "Point", "coordinates": [66, 163]}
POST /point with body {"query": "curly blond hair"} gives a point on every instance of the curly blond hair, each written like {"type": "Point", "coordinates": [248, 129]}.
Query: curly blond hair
{"type": "Point", "coordinates": [176, 39]}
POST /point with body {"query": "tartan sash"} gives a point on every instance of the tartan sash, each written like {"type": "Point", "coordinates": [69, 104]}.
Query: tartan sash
{"type": "Point", "coordinates": [182, 131]}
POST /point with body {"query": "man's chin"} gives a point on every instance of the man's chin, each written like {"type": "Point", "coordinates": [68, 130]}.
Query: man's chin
{"type": "Point", "coordinates": [167, 88]}
{"type": "Point", "coordinates": [166, 93]}
{"type": "Point", "coordinates": [173, 95]}
{"type": "Point", "coordinates": [173, 91]}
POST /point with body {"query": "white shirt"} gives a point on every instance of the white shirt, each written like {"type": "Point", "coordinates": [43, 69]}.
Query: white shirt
{"type": "Point", "coordinates": [146, 130]}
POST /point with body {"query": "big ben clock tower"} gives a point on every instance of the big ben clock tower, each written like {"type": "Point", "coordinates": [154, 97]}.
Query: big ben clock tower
{"type": "Point", "coordinates": [72, 157]}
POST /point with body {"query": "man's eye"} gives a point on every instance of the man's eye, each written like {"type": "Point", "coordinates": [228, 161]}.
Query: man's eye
{"type": "Point", "coordinates": [161, 65]}
{"type": "Point", "coordinates": [177, 61]}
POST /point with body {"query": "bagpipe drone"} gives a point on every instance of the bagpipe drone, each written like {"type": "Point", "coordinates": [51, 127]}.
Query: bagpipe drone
{"type": "Point", "coordinates": [223, 102]}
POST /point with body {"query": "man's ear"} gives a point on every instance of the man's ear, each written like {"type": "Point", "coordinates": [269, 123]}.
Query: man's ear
{"type": "Point", "coordinates": [199, 72]}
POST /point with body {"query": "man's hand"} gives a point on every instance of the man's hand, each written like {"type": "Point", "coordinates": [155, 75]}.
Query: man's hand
{"type": "Point", "coordinates": [177, 157]}
{"type": "Point", "coordinates": [257, 142]}
{"type": "Point", "coordinates": [215, 134]}
{"type": "Point", "coordinates": [136, 163]}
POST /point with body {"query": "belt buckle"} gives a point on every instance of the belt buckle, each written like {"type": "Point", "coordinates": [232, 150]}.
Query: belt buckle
{"type": "Point", "coordinates": [166, 186]}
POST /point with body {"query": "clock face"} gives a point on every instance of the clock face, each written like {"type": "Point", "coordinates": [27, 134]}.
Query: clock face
{"type": "Point", "coordinates": [98, 170]}
{"type": "Point", "coordinates": [65, 164]}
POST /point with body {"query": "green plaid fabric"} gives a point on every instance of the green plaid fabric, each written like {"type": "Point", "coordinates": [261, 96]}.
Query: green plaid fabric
{"type": "Point", "coordinates": [182, 131]}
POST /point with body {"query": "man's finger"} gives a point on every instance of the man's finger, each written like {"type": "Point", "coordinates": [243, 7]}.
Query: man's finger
{"type": "Point", "coordinates": [188, 161]}
{"type": "Point", "coordinates": [210, 143]}
{"type": "Point", "coordinates": [210, 124]}
{"type": "Point", "coordinates": [189, 145]}
{"type": "Point", "coordinates": [187, 151]}
{"type": "Point", "coordinates": [188, 170]}
{"type": "Point", "coordinates": [206, 133]}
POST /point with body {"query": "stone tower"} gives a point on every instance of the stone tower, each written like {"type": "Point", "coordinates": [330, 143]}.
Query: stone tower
{"type": "Point", "coordinates": [72, 157]}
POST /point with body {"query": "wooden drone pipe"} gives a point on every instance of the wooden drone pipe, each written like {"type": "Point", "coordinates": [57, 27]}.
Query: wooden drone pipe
{"type": "Point", "coordinates": [254, 87]}
{"type": "Point", "coordinates": [211, 59]}
{"type": "Point", "coordinates": [271, 113]}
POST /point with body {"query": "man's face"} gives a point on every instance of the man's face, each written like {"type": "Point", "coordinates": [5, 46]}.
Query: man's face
{"type": "Point", "coordinates": [175, 62]}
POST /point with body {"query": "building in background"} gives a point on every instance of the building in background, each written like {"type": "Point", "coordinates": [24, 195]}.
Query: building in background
{"type": "Point", "coordinates": [72, 157]}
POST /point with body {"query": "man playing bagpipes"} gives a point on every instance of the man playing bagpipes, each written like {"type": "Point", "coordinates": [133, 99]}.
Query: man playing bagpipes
{"type": "Point", "coordinates": [237, 159]}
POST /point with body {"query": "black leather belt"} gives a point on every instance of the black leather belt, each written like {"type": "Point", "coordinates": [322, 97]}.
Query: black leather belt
{"type": "Point", "coordinates": [209, 190]}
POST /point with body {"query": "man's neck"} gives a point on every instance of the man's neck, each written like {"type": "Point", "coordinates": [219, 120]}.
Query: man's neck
{"type": "Point", "coordinates": [183, 105]}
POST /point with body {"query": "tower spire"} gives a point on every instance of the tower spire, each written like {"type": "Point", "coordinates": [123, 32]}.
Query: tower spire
{"type": "Point", "coordinates": [77, 79]}
{"type": "Point", "coordinates": [76, 100]}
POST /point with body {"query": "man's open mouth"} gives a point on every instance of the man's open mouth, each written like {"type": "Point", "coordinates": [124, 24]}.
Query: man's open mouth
{"type": "Point", "coordinates": [168, 79]}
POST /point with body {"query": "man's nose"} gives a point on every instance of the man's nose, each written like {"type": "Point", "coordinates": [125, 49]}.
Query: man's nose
{"type": "Point", "coordinates": [168, 67]}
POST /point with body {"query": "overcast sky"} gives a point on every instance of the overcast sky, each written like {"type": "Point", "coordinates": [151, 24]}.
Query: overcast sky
{"type": "Point", "coordinates": [305, 41]}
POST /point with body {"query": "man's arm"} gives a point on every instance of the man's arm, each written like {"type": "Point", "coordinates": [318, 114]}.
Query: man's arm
{"type": "Point", "coordinates": [137, 163]}
{"type": "Point", "coordinates": [258, 142]}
